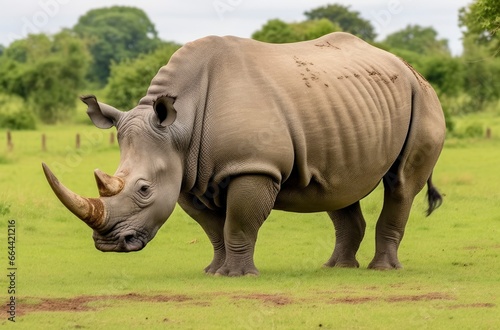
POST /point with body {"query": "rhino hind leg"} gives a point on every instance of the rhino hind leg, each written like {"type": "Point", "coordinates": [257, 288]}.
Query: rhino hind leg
{"type": "Point", "coordinates": [212, 223]}
{"type": "Point", "coordinates": [250, 199]}
{"type": "Point", "coordinates": [402, 183]}
{"type": "Point", "coordinates": [350, 227]}
{"type": "Point", "coordinates": [390, 229]}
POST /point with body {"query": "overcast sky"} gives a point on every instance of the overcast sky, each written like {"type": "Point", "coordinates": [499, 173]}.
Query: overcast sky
{"type": "Point", "coordinates": [183, 21]}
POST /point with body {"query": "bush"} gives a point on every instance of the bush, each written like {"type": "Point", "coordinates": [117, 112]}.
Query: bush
{"type": "Point", "coordinates": [14, 114]}
{"type": "Point", "coordinates": [130, 79]}
{"type": "Point", "coordinates": [474, 130]}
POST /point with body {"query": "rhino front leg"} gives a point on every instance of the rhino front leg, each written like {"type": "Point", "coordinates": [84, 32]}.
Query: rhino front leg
{"type": "Point", "coordinates": [349, 231]}
{"type": "Point", "coordinates": [212, 223]}
{"type": "Point", "coordinates": [249, 201]}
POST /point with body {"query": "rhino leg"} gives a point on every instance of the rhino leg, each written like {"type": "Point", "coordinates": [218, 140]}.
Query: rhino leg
{"type": "Point", "coordinates": [401, 184]}
{"type": "Point", "coordinates": [212, 223]}
{"type": "Point", "coordinates": [250, 199]}
{"type": "Point", "coordinates": [349, 231]}
{"type": "Point", "coordinates": [390, 229]}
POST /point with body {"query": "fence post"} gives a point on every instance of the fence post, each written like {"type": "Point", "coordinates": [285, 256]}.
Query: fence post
{"type": "Point", "coordinates": [10, 145]}
{"type": "Point", "coordinates": [488, 133]}
{"type": "Point", "coordinates": [112, 138]}
{"type": "Point", "coordinates": [77, 140]}
{"type": "Point", "coordinates": [44, 142]}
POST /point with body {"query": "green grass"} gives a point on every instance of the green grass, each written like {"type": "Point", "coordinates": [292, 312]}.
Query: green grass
{"type": "Point", "coordinates": [451, 277]}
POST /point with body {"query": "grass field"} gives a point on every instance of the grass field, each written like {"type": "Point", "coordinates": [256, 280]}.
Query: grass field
{"type": "Point", "coordinates": [451, 277]}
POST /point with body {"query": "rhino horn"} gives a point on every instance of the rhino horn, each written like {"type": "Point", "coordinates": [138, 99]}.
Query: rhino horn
{"type": "Point", "coordinates": [89, 210]}
{"type": "Point", "coordinates": [108, 185]}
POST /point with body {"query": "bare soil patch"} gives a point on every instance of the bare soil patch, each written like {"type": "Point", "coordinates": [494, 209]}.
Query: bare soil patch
{"type": "Point", "coordinates": [474, 305]}
{"type": "Point", "coordinates": [274, 299]}
{"type": "Point", "coordinates": [80, 303]}
{"type": "Point", "coordinates": [393, 299]}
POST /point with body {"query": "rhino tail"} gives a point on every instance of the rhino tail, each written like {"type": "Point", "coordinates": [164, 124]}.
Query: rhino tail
{"type": "Point", "coordinates": [434, 198]}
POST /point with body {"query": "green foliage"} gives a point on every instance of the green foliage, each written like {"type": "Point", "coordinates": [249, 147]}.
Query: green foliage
{"type": "Point", "coordinates": [418, 39]}
{"type": "Point", "coordinates": [474, 130]}
{"type": "Point", "coordinates": [482, 21]}
{"type": "Point", "coordinates": [48, 72]}
{"type": "Point", "coordinates": [445, 73]}
{"type": "Point", "coordinates": [14, 113]}
{"type": "Point", "coordinates": [114, 34]}
{"type": "Point", "coordinates": [481, 73]}
{"type": "Point", "coordinates": [348, 20]}
{"type": "Point", "coordinates": [130, 78]}
{"type": "Point", "coordinates": [277, 31]}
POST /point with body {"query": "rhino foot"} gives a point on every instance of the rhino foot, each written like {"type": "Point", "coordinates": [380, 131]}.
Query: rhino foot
{"type": "Point", "coordinates": [217, 262]}
{"type": "Point", "coordinates": [241, 270]}
{"type": "Point", "coordinates": [211, 269]}
{"type": "Point", "coordinates": [385, 261]}
{"type": "Point", "coordinates": [342, 263]}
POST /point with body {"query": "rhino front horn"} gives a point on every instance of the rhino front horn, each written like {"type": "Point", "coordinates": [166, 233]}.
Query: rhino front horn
{"type": "Point", "coordinates": [89, 210]}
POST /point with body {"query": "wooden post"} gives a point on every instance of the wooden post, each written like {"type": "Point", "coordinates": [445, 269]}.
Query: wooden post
{"type": "Point", "coordinates": [10, 145]}
{"type": "Point", "coordinates": [112, 138]}
{"type": "Point", "coordinates": [77, 141]}
{"type": "Point", "coordinates": [44, 143]}
{"type": "Point", "coordinates": [488, 133]}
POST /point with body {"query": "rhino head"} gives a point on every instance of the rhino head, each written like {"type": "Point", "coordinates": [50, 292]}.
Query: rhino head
{"type": "Point", "coordinates": [136, 201]}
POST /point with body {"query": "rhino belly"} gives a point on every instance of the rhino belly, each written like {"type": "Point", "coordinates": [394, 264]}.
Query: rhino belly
{"type": "Point", "coordinates": [315, 198]}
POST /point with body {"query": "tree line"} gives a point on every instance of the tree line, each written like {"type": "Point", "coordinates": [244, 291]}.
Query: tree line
{"type": "Point", "coordinates": [116, 51]}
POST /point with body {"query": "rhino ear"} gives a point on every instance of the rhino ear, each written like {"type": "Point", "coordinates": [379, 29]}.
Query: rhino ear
{"type": "Point", "coordinates": [102, 115]}
{"type": "Point", "coordinates": [165, 111]}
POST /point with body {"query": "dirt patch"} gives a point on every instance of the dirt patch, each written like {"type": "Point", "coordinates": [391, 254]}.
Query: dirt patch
{"type": "Point", "coordinates": [80, 303]}
{"type": "Point", "coordinates": [420, 297]}
{"type": "Point", "coordinates": [474, 305]}
{"type": "Point", "coordinates": [273, 299]}
{"type": "Point", "coordinates": [393, 299]}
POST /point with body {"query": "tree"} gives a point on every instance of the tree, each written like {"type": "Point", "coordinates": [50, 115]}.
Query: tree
{"type": "Point", "coordinates": [130, 78]}
{"type": "Point", "coordinates": [277, 31]}
{"type": "Point", "coordinates": [482, 72]}
{"type": "Point", "coordinates": [47, 72]}
{"type": "Point", "coordinates": [481, 41]}
{"type": "Point", "coordinates": [482, 21]}
{"type": "Point", "coordinates": [418, 39]}
{"type": "Point", "coordinates": [348, 20]}
{"type": "Point", "coordinates": [114, 34]}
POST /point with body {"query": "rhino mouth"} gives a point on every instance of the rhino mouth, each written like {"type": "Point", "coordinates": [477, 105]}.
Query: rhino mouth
{"type": "Point", "coordinates": [127, 241]}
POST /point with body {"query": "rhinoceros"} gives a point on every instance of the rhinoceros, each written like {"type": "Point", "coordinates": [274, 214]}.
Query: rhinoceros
{"type": "Point", "coordinates": [231, 128]}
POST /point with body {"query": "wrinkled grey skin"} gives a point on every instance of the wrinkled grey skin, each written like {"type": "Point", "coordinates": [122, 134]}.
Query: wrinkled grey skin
{"type": "Point", "coordinates": [232, 128]}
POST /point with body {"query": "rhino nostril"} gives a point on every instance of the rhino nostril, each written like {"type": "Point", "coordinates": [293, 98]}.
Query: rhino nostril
{"type": "Point", "coordinates": [128, 238]}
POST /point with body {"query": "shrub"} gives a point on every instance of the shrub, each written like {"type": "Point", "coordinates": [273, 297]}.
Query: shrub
{"type": "Point", "coordinates": [14, 114]}
{"type": "Point", "coordinates": [474, 130]}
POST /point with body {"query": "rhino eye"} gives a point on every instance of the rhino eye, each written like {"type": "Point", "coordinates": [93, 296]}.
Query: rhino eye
{"type": "Point", "coordinates": [144, 190]}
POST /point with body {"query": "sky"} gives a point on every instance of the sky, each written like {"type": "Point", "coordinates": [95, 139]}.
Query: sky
{"type": "Point", "coordinates": [184, 21]}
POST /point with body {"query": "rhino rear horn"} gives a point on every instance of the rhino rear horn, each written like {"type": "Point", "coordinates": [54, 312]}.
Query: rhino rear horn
{"type": "Point", "coordinates": [90, 210]}
{"type": "Point", "coordinates": [108, 185]}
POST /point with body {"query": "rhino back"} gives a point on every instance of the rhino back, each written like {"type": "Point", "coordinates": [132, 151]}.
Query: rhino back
{"type": "Point", "coordinates": [325, 118]}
